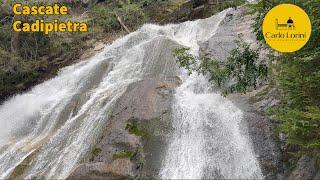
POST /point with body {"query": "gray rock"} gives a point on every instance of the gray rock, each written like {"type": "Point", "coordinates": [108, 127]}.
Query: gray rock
{"type": "Point", "coordinates": [118, 169]}
{"type": "Point", "coordinates": [317, 177]}
{"type": "Point", "coordinates": [236, 24]}
{"type": "Point", "coordinates": [268, 101]}
{"type": "Point", "coordinates": [306, 169]}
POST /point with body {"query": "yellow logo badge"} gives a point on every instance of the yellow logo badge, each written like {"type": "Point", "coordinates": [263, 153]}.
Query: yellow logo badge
{"type": "Point", "coordinates": [286, 28]}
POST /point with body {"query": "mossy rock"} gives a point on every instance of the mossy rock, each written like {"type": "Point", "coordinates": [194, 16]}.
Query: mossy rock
{"type": "Point", "coordinates": [123, 154]}
{"type": "Point", "coordinates": [95, 152]}
{"type": "Point", "coordinates": [135, 130]}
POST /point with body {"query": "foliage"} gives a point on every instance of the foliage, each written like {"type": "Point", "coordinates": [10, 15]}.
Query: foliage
{"type": "Point", "coordinates": [297, 79]}
{"type": "Point", "coordinates": [298, 114]}
{"type": "Point", "coordinates": [5, 36]}
{"type": "Point", "coordinates": [241, 68]}
{"type": "Point", "coordinates": [123, 154]}
{"type": "Point", "coordinates": [184, 59]}
{"type": "Point", "coordinates": [302, 126]}
{"type": "Point", "coordinates": [26, 58]}
{"type": "Point", "coordinates": [106, 16]}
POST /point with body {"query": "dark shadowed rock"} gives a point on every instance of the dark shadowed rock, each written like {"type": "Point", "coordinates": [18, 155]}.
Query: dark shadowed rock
{"type": "Point", "coordinates": [317, 175]}
{"type": "Point", "coordinates": [306, 169]}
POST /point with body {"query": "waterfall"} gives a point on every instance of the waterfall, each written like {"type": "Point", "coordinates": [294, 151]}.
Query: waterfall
{"type": "Point", "coordinates": [57, 122]}
{"type": "Point", "coordinates": [207, 141]}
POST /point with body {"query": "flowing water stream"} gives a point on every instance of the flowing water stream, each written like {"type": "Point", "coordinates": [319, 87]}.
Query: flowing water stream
{"type": "Point", "coordinates": [58, 121]}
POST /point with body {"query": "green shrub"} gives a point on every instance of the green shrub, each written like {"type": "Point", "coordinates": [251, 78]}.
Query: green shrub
{"type": "Point", "coordinates": [302, 126]}
{"type": "Point", "coordinates": [95, 152]}
{"type": "Point", "coordinates": [240, 67]}
{"type": "Point", "coordinates": [105, 16]}
{"type": "Point", "coordinates": [5, 36]}
{"type": "Point", "coordinates": [184, 59]}
{"type": "Point", "coordinates": [299, 112]}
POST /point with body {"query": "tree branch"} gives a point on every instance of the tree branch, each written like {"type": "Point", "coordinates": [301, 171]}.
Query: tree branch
{"type": "Point", "coordinates": [122, 24]}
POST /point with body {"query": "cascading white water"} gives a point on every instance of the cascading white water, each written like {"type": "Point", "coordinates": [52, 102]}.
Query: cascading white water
{"type": "Point", "coordinates": [207, 141]}
{"type": "Point", "coordinates": [57, 122]}
{"type": "Point", "coordinates": [62, 118]}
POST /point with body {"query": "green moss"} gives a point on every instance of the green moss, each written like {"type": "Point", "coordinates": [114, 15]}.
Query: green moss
{"type": "Point", "coordinates": [110, 114]}
{"type": "Point", "coordinates": [133, 129]}
{"type": "Point", "coordinates": [123, 154]}
{"type": "Point", "coordinates": [95, 152]}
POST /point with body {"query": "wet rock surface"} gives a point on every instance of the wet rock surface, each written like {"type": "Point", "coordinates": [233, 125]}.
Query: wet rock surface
{"type": "Point", "coordinates": [235, 25]}
{"type": "Point", "coordinates": [135, 137]}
